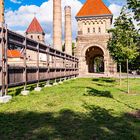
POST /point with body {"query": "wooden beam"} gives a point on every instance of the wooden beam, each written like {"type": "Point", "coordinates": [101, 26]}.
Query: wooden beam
{"type": "Point", "coordinates": [37, 63]}
{"type": "Point", "coordinates": [25, 64]}
{"type": "Point", "coordinates": [6, 60]}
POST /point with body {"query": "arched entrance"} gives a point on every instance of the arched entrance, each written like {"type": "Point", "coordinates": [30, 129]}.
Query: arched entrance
{"type": "Point", "coordinates": [95, 59]}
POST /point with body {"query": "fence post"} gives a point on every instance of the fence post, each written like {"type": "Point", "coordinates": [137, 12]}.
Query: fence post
{"type": "Point", "coordinates": [65, 67]}
{"type": "Point", "coordinates": [61, 68]}
{"type": "Point", "coordinates": [37, 73]}
{"type": "Point", "coordinates": [74, 67]}
{"type": "Point", "coordinates": [48, 68]}
{"type": "Point", "coordinates": [25, 65]}
{"type": "Point", "coordinates": [2, 62]}
{"type": "Point", "coordinates": [6, 61]}
{"type": "Point", "coordinates": [25, 91]}
{"type": "Point", "coordinates": [4, 98]}
{"type": "Point", "coordinates": [55, 79]}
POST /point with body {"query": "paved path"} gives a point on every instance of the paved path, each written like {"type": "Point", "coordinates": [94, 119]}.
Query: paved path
{"type": "Point", "coordinates": [96, 75]}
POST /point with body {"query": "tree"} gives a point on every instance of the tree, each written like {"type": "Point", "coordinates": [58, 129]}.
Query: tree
{"type": "Point", "coordinates": [73, 47]}
{"type": "Point", "coordinates": [123, 43]}
{"type": "Point", "coordinates": [63, 47]}
{"type": "Point", "coordinates": [135, 64]}
{"type": "Point", "coordinates": [135, 6]}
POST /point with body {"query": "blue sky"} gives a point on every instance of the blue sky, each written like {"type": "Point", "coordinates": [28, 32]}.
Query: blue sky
{"type": "Point", "coordinates": [19, 13]}
{"type": "Point", "coordinates": [15, 4]}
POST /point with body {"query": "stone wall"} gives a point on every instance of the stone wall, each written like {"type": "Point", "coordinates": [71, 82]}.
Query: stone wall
{"type": "Point", "coordinates": [37, 37]}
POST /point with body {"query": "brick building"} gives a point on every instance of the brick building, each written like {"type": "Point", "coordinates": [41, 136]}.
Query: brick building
{"type": "Point", "coordinates": [94, 19]}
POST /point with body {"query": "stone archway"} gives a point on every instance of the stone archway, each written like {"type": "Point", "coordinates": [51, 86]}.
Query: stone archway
{"type": "Point", "coordinates": [94, 56]}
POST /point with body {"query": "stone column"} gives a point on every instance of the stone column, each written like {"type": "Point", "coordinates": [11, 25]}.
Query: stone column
{"type": "Point", "coordinates": [1, 11]}
{"type": "Point", "coordinates": [68, 31]}
{"type": "Point", "coordinates": [57, 25]}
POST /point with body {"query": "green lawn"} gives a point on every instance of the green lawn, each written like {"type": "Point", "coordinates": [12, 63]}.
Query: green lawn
{"type": "Point", "coordinates": [81, 109]}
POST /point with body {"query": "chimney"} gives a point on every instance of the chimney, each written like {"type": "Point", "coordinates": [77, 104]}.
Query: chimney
{"type": "Point", "coordinates": [68, 31]}
{"type": "Point", "coordinates": [57, 25]}
{"type": "Point", "coordinates": [1, 11]}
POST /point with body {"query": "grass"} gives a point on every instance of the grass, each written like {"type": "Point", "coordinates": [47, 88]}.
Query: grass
{"type": "Point", "coordinates": [81, 109]}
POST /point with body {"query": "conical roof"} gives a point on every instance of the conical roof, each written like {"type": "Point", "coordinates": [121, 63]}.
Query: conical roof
{"type": "Point", "coordinates": [93, 8]}
{"type": "Point", "coordinates": [35, 27]}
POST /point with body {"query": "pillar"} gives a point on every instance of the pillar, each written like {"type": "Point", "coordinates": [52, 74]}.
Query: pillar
{"type": "Point", "coordinates": [57, 25]}
{"type": "Point", "coordinates": [1, 11]}
{"type": "Point", "coordinates": [68, 31]}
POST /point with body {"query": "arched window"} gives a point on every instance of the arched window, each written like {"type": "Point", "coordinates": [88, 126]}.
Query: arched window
{"type": "Point", "coordinates": [31, 36]}
{"type": "Point", "coordinates": [99, 30]}
{"type": "Point", "coordinates": [38, 37]}
{"type": "Point", "coordinates": [88, 30]}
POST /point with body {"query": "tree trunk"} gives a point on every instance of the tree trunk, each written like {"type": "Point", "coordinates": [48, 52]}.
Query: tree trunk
{"type": "Point", "coordinates": [127, 77]}
{"type": "Point", "coordinates": [120, 75]}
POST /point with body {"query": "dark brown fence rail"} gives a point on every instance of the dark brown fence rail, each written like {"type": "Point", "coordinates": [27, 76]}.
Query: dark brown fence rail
{"type": "Point", "coordinates": [38, 62]}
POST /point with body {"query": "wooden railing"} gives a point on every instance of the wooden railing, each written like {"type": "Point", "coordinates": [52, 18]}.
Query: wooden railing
{"type": "Point", "coordinates": [31, 68]}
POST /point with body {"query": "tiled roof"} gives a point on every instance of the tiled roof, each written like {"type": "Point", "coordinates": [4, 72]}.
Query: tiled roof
{"type": "Point", "coordinates": [94, 8]}
{"type": "Point", "coordinates": [35, 27]}
{"type": "Point", "coordinates": [14, 54]}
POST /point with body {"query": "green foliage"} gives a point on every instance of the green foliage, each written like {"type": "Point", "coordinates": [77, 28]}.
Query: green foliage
{"type": "Point", "coordinates": [135, 6]}
{"type": "Point", "coordinates": [63, 47]}
{"type": "Point", "coordinates": [73, 47]}
{"type": "Point", "coordinates": [123, 43]}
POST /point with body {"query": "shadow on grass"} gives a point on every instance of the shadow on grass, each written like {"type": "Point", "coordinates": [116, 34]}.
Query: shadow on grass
{"type": "Point", "coordinates": [15, 91]}
{"type": "Point", "coordinates": [107, 80]}
{"type": "Point", "coordinates": [95, 124]}
{"type": "Point", "coordinates": [100, 93]}
{"type": "Point", "coordinates": [94, 92]}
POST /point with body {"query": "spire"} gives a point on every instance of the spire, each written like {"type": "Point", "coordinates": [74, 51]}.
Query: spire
{"type": "Point", "coordinates": [94, 8]}
{"type": "Point", "coordinates": [35, 27]}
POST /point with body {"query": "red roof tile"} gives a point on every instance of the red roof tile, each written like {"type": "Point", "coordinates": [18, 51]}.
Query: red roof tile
{"type": "Point", "coordinates": [94, 8]}
{"type": "Point", "coordinates": [14, 54]}
{"type": "Point", "coordinates": [35, 27]}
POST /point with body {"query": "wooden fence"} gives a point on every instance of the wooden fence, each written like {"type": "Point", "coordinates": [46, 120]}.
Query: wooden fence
{"type": "Point", "coordinates": [31, 68]}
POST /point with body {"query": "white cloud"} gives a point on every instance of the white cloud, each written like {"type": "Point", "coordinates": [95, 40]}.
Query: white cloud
{"type": "Point", "coordinates": [20, 19]}
{"type": "Point", "coordinates": [116, 9]}
{"type": "Point", "coordinates": [16, 1]}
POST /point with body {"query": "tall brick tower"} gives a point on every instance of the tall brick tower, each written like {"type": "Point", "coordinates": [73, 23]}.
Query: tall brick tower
{"type": "Point", "coordinates": [1, 11]}
{"type": "Point", "coordinates": [68, 31]}
{"type": "Point", "coordinates": [57, 25]}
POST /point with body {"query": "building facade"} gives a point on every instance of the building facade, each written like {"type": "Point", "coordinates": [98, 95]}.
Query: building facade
{"type": "Point", "coordinates": [94, 19]}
